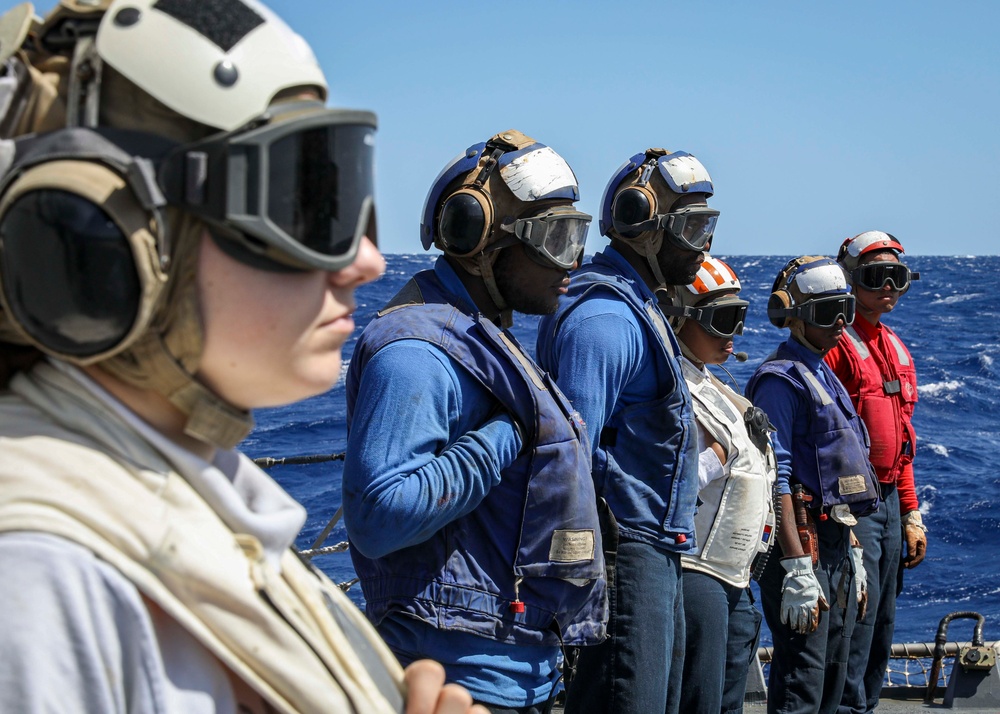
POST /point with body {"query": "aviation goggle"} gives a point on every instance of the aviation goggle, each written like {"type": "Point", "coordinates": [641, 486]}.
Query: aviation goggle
{"type": "Point", "coordinates": [825, 311]}
{"type": "Point", "coordinates": [297, 190]}
{"type": "Point", "coordinates": [875, 276]}
{"type": "Point", "coordinates": [558, 235]}
{"type": "Point", "coordinates": [690, 228]}
{"type": "Point", "coordinates": [720, 319]}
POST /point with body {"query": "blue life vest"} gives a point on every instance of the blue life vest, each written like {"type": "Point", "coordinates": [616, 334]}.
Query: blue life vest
{"type": "Point", "coordinates": [831, 462]}
{"type": "Point", "coordinates": [646, 463]}
{"type": "Point", "coordinates": [533, 533]}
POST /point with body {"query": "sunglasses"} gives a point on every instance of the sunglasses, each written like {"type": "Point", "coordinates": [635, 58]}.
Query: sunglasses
{"type": "Point", "coordinates": [875, 276]}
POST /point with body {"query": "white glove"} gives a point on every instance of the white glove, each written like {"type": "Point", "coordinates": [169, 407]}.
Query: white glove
{"type": "Point", "coordinates": [860, 579]}
{"type": "Point", "coordinates": [801, 596]}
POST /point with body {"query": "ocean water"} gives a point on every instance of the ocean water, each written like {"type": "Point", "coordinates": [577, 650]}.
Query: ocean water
{"type": "Point", "coordinates": [950, 320]}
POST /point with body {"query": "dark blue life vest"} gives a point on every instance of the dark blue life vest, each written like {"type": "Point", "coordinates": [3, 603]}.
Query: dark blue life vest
{"type": "Point", "coordinates": [831, 462]}
{"type": "Point", "coordinates": [532, 534]}
{"type": "Point", "coordinates": [646, 463]}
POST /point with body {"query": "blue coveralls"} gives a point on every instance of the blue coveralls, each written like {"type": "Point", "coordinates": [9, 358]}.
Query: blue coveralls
{"type": "Point", "coordinates": [613, 355]}
{"type": "Point", "coordinates": [819, 440]}
{"type": "Point", "coordinates": [450, 526]}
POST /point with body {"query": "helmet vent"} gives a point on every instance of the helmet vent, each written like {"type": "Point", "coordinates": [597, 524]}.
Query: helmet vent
{"type": "Point", "coordinates": [223, 22]}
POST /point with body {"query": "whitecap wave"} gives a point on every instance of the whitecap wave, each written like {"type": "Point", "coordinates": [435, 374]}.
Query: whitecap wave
{"type": "Point", "coordinates": [937, 388]}
{"type": "Point", "coordinates": [939, 449]}
{"type": "Point", "coordinates": [952, 299]}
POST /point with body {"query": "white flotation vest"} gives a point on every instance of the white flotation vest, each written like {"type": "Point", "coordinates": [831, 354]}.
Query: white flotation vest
{"type": "Point", "coordinates": [735, 519]}
{"type": "Point", "coordinates": [72, 468]}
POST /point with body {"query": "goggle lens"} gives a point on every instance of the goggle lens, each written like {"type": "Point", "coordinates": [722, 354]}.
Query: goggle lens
{"type": "Point", "coordinates": [559, 235]}
{"type": "Point", "coordinates": [875, 276]}
{"type": "Point", "coordinates": [727, 320]}
{"type": "Point", "coordinates": [824, 312]}
{"type": "Point", "coordinates": [692, 228]}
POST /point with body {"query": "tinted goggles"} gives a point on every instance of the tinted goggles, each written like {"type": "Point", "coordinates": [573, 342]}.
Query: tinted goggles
{"type": "Point", "coordinates": [825, 311]}
{"type": "Point", "coordinates": [720, 319]}
{"type": "Point", "coordinates": [559, 235]}
{"type": "Point", "coordinates": [298, 189]}
{"type": "Point", "coordinates": [875, 276]}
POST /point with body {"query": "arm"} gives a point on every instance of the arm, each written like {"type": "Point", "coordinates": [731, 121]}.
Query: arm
{"type": "Point", "coordinates": [595, 355]}
{"type": "Point", "coordinates": [424, 448]}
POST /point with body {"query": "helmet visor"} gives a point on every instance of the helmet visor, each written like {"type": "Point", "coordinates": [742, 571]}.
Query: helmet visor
{"type": "Point", "coordinates": [691, 227]}
{"type": "Point", "coordinates": [825, 311]}
{"type": "Point", "coordinates": [875, 276]}
{"type": "Point", "coordinates": [297, 190]}
{"type": "Point", "coordinates": [559, 234]}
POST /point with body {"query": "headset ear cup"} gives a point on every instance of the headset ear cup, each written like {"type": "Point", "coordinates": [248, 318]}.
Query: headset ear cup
{"type": "Point", "coordinates": [779, 300]}
{"type": "Point", "coordinates": [632, 205]}
{"type": "Point", "coordinates": [79, 260]}
{"type": "Point", "coordinates": [465, 222]}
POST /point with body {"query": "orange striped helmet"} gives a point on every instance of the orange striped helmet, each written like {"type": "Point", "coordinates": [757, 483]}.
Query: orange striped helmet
{"type": "Point", "coordinates": [714, 276]}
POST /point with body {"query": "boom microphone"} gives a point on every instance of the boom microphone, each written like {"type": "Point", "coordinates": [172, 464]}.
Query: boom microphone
{"type": "Point", "coordinates": [741, 356]}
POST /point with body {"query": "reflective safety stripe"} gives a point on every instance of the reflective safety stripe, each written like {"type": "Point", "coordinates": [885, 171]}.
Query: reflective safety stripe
{"type": "Point", "coordinates": [822, 396]}
{"type": "Point", "coordinates": [901, 353]}
{"type": "Point", "coordinates": [859, 345]}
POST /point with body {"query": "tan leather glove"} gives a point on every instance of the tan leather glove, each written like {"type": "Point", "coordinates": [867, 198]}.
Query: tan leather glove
{"type": "Point", "coordinates": [915, 535]}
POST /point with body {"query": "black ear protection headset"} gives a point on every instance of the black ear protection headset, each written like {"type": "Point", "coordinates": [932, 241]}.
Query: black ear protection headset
{"type": "Point", "coordinates": [466, 218]}
{"type": "Point", "coordinates": [637, 203]}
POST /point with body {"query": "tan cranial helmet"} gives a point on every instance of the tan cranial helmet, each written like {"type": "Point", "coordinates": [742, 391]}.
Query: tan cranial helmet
{"type": "Point", "coordinates": [638, 207]}
{"type": "Point", "coordinates": [507, 189]}
{"type": "Point", "coordinates": [113, 169]}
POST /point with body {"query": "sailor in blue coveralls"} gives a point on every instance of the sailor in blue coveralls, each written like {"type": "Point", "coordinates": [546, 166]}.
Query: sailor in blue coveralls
{"type": "Point", "coordinates": [614, 355]}
{"type": "Point", "coordinates": [468, 501]}
{"type": "Point", "coordinates": [811, 598]}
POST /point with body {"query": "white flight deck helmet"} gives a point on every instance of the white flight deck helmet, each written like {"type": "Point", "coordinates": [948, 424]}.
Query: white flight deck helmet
{"type": "Point", "coordinates": [129, 128]}
{"type": "Point", "coordinates": [811, 289]}
{"type": "Point", "coordinates": [873, 276]}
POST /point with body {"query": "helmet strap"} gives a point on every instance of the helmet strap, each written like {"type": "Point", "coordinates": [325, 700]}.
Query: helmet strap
{"type": "Point", "coordinates": [798, 329]}
{"type": "Point", "coordinates": [486, 271]}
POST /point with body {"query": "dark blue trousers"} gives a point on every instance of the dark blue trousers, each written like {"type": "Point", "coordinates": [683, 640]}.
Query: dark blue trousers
{"type": "Point", "coordinates": [721, 630]}
{"type": "Point", "coordinates": [871, 644]}
{"type": "Point", "coordinates": [808, 672]}
{"type": "Point", "coordinates": [638, 667]}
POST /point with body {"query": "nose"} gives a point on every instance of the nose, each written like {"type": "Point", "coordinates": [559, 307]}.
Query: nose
{"type": "Point", "coordinates": [368, 265]}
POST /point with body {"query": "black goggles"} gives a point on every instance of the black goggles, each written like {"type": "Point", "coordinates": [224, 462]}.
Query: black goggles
{"type": "Point", "coordinates": [297, 190]}
{"type": "Point", "coordinates": [720, 319]}
{"type": "Point", "coordinates": [689, 228]}
{"type": "Point", "coordinates": [875, 276]}
{"type": "Point", "coordinates": [825, 311]}
{"type": "Point", "coordinates": [558, 235]}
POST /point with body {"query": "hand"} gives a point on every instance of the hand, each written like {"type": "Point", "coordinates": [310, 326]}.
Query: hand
{"type": "Point", "coordinates": [915, 536]}
{"type": "Point", "coordinates": [860, 579]}
{"type": "Point", "coordinates": [801, 596]}
{"type": "Point", "coordinates": [428, 694]}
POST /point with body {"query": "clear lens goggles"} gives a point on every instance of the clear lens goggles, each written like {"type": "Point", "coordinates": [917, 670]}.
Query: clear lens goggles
{"type": "Point", "coordinates": [720, 319]}
{"type": "Point", "coordinates": [690, 228]}
{"type": "Point", "coordinates": [297, 190]}
{"type": "Point", "coordinates": [825, 311]}
{"type": "Point", "coordinates": [559, 234]}
{"type": "Point", "coordinates": [875, 276]}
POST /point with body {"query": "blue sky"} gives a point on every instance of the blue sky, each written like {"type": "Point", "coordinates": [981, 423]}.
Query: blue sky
{"type": "Point", "coordinates": [816, 120]}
